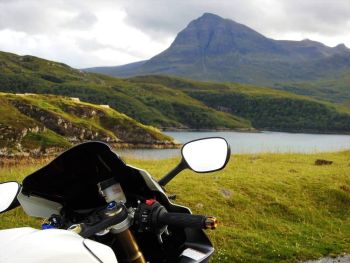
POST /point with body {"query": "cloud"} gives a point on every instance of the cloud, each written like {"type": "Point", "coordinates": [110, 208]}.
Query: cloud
{"type": "Point", "coordinates": [163, 18]}
{"type": "Point", "coordinates": [282, 17]}
{"type": "Point", "coordinates": [44, 17]}
{"type": "Point", "coordinates": [313, 16]}
{"type": "Point", "coordinates": [91, 44]}
{"type": "Point", "coordinates": [81, 21]}
{"type": "Point", "coordinates": [26, 16]}
{"type": "Point", "coordinates": [77, 53]}
{"type": "Point", "coordinates": [108, 32]}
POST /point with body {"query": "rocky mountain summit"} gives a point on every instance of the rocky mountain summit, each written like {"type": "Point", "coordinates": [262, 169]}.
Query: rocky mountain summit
{"type": "Point", "coordinates": [217, 49]}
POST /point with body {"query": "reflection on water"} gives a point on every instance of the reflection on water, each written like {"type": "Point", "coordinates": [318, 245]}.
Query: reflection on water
{"type": "Point", "coordinates": [252, 143]}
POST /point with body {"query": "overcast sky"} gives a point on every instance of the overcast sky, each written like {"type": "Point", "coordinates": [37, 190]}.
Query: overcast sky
{"type": "Point", "coordinates": [86, 33]}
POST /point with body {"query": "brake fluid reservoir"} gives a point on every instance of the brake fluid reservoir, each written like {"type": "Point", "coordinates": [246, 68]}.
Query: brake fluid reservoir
{"type": "Point", "coordinates": [111, 190]}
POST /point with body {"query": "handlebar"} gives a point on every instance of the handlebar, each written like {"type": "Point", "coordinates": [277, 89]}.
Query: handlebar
{"type": "Point", "coordinates": [187, 220]}
{"type": "Point", "coordinates": [151, 216]}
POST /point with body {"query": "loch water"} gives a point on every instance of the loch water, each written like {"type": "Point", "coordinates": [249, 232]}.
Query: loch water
{"type": "Point", "coordinates": [241, 142]}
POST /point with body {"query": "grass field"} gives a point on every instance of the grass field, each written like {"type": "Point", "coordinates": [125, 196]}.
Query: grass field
{"type": "Point", "coordinates": [271, 207]}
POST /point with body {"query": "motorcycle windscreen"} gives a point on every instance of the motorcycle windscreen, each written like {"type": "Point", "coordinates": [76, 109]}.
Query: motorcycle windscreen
{"type": "Point", "coordinates": [71, 179]}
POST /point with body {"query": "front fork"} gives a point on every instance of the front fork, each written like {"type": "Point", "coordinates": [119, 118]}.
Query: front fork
{"type": "Point", "coordinates": [116, 220]}
{"type": "Point", "coordinates": [131, 251]}
{"type": "Point", "coordinates": [125, 240]}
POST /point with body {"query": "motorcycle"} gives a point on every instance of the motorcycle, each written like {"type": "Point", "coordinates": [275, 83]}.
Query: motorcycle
{"type": "Point", "coordinates": [99, 209]}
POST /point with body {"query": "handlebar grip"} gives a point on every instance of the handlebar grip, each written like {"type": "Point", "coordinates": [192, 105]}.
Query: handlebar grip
{"type": "Point", "coordinates": [187, 220]}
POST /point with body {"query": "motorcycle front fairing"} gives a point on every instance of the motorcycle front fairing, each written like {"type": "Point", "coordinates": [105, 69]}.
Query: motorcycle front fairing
{"type": "Point", "coordinates": [71, 182]}
{"type": "Point", "coordinates": [54, 246]}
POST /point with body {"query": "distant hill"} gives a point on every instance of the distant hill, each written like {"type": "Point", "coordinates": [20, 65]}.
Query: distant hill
{"type": "Point", "coordinates": [176, 103]}
{"type": "Point", "coordinates": [335, 88]}
{"type": "Point", "coordinates": [217, 49]}
{"type": "Point", "coordinates": [265, 108]}
{"type": "Point", "coordinates": [40, 123]}
{"type": "Point", "coordinates": [123, 70]}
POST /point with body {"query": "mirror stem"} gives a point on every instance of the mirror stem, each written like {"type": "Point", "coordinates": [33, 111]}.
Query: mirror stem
{"type": "Point", "coordinates": [167, 178]}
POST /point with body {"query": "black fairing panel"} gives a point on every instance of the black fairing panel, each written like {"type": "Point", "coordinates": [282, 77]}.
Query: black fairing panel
{"type": "Point", "coordinates": [71, 179]}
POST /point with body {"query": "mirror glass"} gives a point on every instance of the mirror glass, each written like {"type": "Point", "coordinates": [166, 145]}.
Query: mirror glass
{"type": "Point", "coordinates": [8, 194]}
{"type": "Point", "coordinates": [206, 155]}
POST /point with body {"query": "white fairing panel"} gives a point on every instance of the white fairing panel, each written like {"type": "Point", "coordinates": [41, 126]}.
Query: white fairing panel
{"type": "Point", "coordinates": [8, 192]}
{"type": "Point", "coordinates": [100, 251]}
{"type": "Point", "coordinates": [29, 245]}
{"type": "Point", "coordinates": [37, 206]}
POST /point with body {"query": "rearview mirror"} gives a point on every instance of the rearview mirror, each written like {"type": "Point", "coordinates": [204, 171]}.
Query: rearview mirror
{"type": "Point", "coordinates": [206, 155]}
{"type": "Point", "coordinates": [202, 156]}
{"type": "Point", "coordinates": [8, 195]}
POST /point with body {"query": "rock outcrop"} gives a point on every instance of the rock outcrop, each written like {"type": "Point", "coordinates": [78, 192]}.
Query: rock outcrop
{"type": "Point", "coordinates": [43, 124]}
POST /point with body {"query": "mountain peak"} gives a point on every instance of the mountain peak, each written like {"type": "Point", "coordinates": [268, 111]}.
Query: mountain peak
{"type": "Point", "coordinates": [210, 35]}
{"type": "Point", "coordinates": [220, 49]}
{"type": "Point", "coordinates": [207, 19]}
{"type": "Point", "coordinates": [217, 20]}
{"type": "Point", "coordinates": [210, 16]}
{"type": "Point", "coordinates": [341, 47]}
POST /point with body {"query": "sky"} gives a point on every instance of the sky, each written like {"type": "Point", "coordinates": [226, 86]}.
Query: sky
{"type": "Point", "coordinates": [88, 33]}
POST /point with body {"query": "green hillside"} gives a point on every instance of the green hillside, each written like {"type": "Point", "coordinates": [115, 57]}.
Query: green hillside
{"type": "Point", "coordinates": [148, 103]}
{"type": "Point", "coordinates": [170, 102]}
{"type": "Point", "coordinates": [264, 107]}
{"type": "Point", "coordinates": [39, 123]}
{"type": "Point", "coordinates": [334, 89]}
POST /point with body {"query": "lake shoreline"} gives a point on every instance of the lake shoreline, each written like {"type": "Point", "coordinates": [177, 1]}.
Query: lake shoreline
{"type": "Point", "coordinates": [253, 130]}
{"type": "Point", "coordinates": [247, 130]}
{"type": "Point", "coordinates": [240, 142]}
{"type": "Point", "coordinates": [53, 151]}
